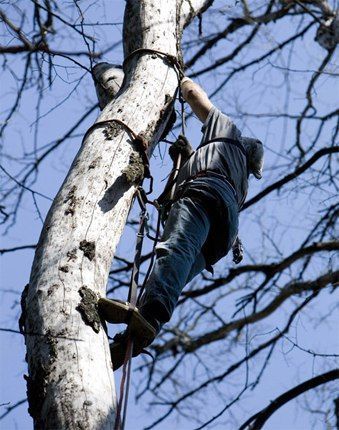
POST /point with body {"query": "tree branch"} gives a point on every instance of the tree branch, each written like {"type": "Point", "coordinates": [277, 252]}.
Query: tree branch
{"type": "Point", "coordinates": [293, 288]}
{"type": "Point", "coordinates": [257, 421]}
{"type": "Point", "coordinates": [297, 172]}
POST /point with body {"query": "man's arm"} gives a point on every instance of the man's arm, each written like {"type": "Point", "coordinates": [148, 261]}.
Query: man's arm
{"type": "Point", "coordinates": [180, 151]}
{"type": "Point", "coordinates": [196, 98]}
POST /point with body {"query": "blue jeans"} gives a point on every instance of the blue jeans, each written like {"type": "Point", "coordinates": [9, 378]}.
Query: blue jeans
{"type": "Point", "coordinates": [178, 255]}
{"type": "Point", "coordinates": [178, 258]}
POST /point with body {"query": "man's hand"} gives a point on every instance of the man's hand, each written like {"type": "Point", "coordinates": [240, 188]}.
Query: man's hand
{"type": "Point", "coordinates": [196, 98]}
{"type": "Point", "coordinates": [180, 146]}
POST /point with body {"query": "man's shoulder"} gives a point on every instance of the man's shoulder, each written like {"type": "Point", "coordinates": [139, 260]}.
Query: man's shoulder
{"type": "Point", "coordinates": [218, 124]}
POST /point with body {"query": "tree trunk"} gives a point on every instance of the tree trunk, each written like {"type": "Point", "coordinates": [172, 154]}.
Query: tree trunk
{"type": "Point", "coordinates": [70, 383]}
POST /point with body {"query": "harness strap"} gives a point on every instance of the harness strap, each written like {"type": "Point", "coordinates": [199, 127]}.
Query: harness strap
{"type": "Point", "coordinates": [109, 122]}
{"type": "Point", "coordinates": [204, 173]}
{"type": "Point", "coordinates": [217, 139]}
{"type": "Point", "coordinates": [172, 59]}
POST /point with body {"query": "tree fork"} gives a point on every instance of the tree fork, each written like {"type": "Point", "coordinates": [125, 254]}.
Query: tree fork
{"type": "Point", "coordinates": [70, 380]}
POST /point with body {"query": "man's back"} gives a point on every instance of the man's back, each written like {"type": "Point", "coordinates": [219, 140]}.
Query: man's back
{"type": "Point", "coordinates": [225, 157]}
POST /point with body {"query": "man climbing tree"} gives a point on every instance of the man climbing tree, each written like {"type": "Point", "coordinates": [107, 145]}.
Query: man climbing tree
{"type": "Point", "coordinates": [271, 67]}
{"type": "Point", "coordinates": [202, 223]}
{"type": "Point", "coordinates": [68, 352]}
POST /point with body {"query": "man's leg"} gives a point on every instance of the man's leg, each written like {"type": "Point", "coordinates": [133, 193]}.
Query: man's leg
{"type": "Point", "coordinates": [198, 266]}
{"type": "Point", "coordinates": [178, 259]}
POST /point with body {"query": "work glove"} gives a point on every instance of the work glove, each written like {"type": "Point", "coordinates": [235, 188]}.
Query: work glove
{"type": "Point", "coordinates": [180, 146]}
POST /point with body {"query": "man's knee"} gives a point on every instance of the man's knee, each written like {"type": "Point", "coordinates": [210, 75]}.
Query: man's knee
{"type": "Point", "coordinates": [179, 249]}
{"type": "Point", "coordinates": [161, 251]}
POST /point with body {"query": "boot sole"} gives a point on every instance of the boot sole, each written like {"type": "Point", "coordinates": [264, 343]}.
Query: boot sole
{"type": "Point", "coordinates": [119, 312]}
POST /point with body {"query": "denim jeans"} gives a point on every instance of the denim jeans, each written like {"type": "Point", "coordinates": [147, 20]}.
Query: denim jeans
{"type": "Point", "coordinates": [178, 255]}
{"type": "Point", "coordinates": [178, 258]}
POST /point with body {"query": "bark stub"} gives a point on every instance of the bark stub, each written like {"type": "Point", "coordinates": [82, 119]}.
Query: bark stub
{"type": "Point", "coordinates": [88, 308]}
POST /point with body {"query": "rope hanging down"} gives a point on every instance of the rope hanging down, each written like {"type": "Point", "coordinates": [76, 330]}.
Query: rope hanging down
{"type": "Point", "coordinates": [133, 300]}
{"type": "Point", "coordinates": [142, 146]}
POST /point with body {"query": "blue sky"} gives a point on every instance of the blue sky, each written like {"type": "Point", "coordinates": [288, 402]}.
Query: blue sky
{"type": "Point", "coordinates": [284, 217]}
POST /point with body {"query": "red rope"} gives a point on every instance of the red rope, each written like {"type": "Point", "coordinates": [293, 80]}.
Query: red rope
{"type": "Point", "coordinates": [126, 371]}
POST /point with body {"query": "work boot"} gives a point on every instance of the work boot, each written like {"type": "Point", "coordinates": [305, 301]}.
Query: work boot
{"type": "Point", "coordinates": [118, 347]}
{"type": "Point", "coordinates": [139, 329]}
{"type": "Point", "coordinates": [119, 312]}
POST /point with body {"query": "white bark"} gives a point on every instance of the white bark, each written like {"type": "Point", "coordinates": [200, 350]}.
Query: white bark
{"type": "Point", "coordinates": [70, 383]}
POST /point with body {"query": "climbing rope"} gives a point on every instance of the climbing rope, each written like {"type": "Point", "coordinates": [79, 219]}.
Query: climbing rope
{"type": "Point", "coordinates": [142, 146]}
{"type": "Point", "coordinates": [132, 299]}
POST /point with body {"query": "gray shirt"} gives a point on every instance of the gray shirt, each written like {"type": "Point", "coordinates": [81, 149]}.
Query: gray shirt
{"type": "Point", "coordinates": [223, 158]}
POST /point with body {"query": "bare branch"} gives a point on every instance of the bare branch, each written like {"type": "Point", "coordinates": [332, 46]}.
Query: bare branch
{"type": "Point", "coordinates": [257, 421]}
{"type": "Point", "coordinates": [290, 177]}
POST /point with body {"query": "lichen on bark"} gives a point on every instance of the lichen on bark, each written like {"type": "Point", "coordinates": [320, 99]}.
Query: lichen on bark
{"type": "Point", "coordinates": [71, 200]}
{"type": "Point", "coordinates": [112, 130]}
{"type": "Point", "coordinates": [36, 391]}
{"type": "Point", "coordinates": [135, 171]}
{"type": "Point", "coordinates": [88, 248]}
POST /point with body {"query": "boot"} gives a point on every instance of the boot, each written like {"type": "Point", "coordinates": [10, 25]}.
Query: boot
{"type": "Point", "coordinates": [139, 329]}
